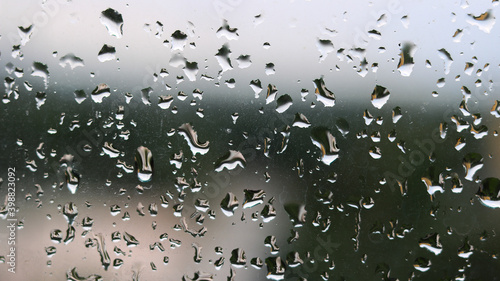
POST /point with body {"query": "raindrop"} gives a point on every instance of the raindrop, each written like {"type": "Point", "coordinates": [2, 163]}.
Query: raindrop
{"type": "Point", "coordinates": [229, 204]}
{"type": "Point", "coordinates": [144, 164]}
{"type": "Point", "coordinates": [380, 96]}
{"type": "Point", "coordinates": [472, 162]}
{"type": "Point", "coordinates": [71, 60]}
{"type": "Point", "coordinates": [406, 63]}
{"type": "Point", "coordinates": [484, 21]}
{"type": "Point", "coordinates": [323, 94]}
{"type": "Point", "coordinates": [113, 21]}
{"type": "Point", "coordinates": [489, 192]}
{"type": "Point", "coordinates": [230, 161]}
{"type": "Point", "coordinates": [187, 131]}
{"type": "Point", "coordinates": [100, 92]}
{"type": "Point", "coordinates": [283, 103]}
{"type": "Point", "coordinates": [431, 243]}
{"type": "Point", "coordinates": [228, 32]}
{"type": "Point", "coordinates": [106, 53]}
{"type": "Point", "coordinates": [301, 121]}
{"type": "Point", "coordinates": [322, 138]}
{"type": "Point", "coordinates": [253, 198]}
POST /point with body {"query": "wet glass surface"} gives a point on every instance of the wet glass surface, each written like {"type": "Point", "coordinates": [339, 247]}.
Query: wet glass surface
{"type": "Point", "coordinates": [238, 140]}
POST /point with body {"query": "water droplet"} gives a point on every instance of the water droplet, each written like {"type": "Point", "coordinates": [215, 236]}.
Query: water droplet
{"type": "Point", "coordinates": [72, 275]}
{"type": "Point", "coordinates": [323, 94]}
{"type": "Point", "coordinates": [106, 53]}
{"type": "Point", "coordinates": [187, 131]}
{"type": "Point", "coordinates": [472, 162]}
{"type": "Point", "coordinates": [222, 57]}
{"type": "Point", "coordinates": [324, 47]}
{"type": "Point", "coordinates": [228, 32]}
{"type": "Point", "coordinates": [41, 70]}
{"type": "Point", "coordinates": [301, 121]}
{"type": "Point", "coordinates": [270, 241]}
{"type": "Point", "coordinates": [113, 21]}
{"type": "Point", "coordinates": [230, 161]}
{"type": "Point", "coordinates": [433, 181]}
{"type": "Point", "coordinates": [283, 103]}
{"type": "Point", "coordinates": [380, 96]}
{"type": "Point", "coordinates": [130, 239]}
{"type": "Point", "coordinates": [322, 138]}
{"type": "Point", "coordinates": [103, 253]}
{"type": "Point", "coordinates": [466, 250]}
{"type": "Point", "coordinates": [489, 192]}
{"type": "Point", "coordinates": [431, 243]}
{"type": "Point", "coordinates": [405, 65]}
{"type": "Point", "coordinates": [144, 164]}
{"type": "Point", "coordinates": [484, 21]}
{"type": "Point", "coordinates": [238, 258]}
{"type": "Point", "coordinates": [253, 198]}
{"type": "Point", "coordinates": [297, 213]}
{"type": "Point", "coordinates": [244, 61]}
{"type": "Point", "coordinates": [145, 94]}
{"type": "Point", "coordinates": [443, 53]}
{"type": "Point", "coordinates": [422, 264]}
{"type": "Point", "coordinates": [70, 211]}
{"type": "Point", "coordinates": [229, 204]}
{"type": "Point", "coordinates": [275, 268]}
{"type": "Point", "coordinates": [100, 92]}
{"type": "Point", "coordinates": [71, 60]}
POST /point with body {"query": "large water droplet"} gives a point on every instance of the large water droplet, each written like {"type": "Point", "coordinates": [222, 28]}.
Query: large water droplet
{"type": "Point", "coordinates": [106, 53]}
{"type": "Point", "coordinates": [71, 60]}
{"type": "Point", "coordinates": [230, 161]}
{"type": "Point", "coordinates": [229, 204]}
{"type": "Point", "coordinates": [322, 138]}
{"type": "Point", "coordinates": [472, 162]}
{"type": "Point", "coordinates": [405, 65]}
{"type": "Point", "coordinates": [380, 96]}
{"type": "Point", "coordinates": [100, 92]}
{"type": "Point", "coordinates": [187, 131]}
{"type": "Point", "coordinates": [484, 21]}
{"type": "Point", "coordinates": [431, 243]}
{"type": "Point", "coordinates": [489, 192]}
{"type": "Point", "coordinates": [323, 94]}
{"type": "Point", "coordinates": [144, 164]}
{"type": "Point", "coordinates": [113, 21]}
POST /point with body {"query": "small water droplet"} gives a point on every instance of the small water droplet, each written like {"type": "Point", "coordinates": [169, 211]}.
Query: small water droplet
{"type": "Point", "coordinates": [113, 21]}
{"type": "Point", "coordinates": [144, 164]}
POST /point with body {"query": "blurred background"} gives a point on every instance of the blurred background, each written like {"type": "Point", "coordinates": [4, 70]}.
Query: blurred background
{"type": "Point", "coordinates": [282, 140]}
